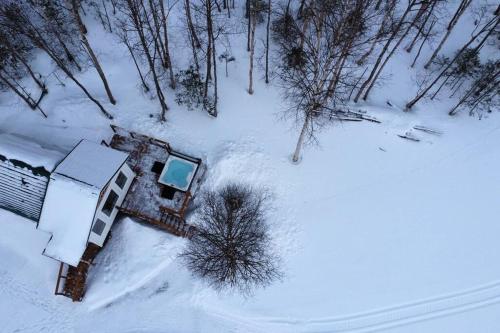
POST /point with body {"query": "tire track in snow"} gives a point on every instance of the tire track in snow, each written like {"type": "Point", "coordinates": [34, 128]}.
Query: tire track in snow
{"type": "Point", "coordinates": [384, 318]}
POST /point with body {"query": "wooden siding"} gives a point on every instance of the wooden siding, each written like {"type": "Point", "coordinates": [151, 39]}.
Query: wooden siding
{"type": "Point", "coordinates": [22, 189]}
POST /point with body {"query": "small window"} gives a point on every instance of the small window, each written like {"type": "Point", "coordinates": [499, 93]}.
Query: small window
{"type": "Point", "coordinates": [110, 203]}
{"type": "Point", "coordinates": [98, 227]}
{"type": "Point", "coordinates": [158, 167]}
{"type": "Point", "coordinates": [121, 180]}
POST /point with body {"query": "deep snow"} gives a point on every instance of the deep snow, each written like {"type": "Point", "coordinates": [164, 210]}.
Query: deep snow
{"type": "Point", "coordinates": [375, 232]}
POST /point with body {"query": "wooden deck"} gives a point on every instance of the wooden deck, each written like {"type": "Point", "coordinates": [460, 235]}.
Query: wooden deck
{"type": "Point", "coordinates": [146, 199]}
{"type": "Point", "coordinates": [75, 277]}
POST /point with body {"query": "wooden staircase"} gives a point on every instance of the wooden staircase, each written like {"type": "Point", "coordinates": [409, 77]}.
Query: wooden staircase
{"type": "Point", "coordinates": [176, 225]}
{"type": "Point", "coordinates": [75, 278]}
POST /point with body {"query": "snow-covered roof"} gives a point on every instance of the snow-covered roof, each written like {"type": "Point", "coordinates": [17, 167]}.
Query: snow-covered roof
{"type": "Point", "coordinates": [68, 213]}
{"type": "Point", "coordinates": [72, 198]}
{"type": "Point", "coordinates": [91, 163]}
{"type": "Point", "coordinates": [14, 147]}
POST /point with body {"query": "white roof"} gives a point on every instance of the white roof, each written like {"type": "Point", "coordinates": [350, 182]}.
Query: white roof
{"type": "Point", "coordinates": [72, 198]}
{"type": "Point", "coordinates": [68, 213]}
{"type": "Point", "coordinates": [18, 148]}
{"type": "Point", "coordinates": [91, 163]}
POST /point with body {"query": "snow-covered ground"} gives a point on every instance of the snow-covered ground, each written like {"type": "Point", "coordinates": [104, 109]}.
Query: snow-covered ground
{"type": "Point", "coordinates": [376, 233]}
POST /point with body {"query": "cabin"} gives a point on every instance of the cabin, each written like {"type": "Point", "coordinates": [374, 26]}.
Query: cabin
{"type": "Point", "coordinates": [80, 206]}
{"type": "Point", "coordinates": [75, 197]}
{"type": "Point", "coordinates": [25, 168]}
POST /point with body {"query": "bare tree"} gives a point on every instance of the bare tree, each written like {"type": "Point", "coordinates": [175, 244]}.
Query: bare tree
{"type": "Point", "coordinates": [75, 5]}
{"type": "Point", "coordinates": [30, 22]}
{"type": "Point", "coordinates": [193, 36]}
{"type": "Point", "coordinates": [316, 72]}
{"type": "Point", "coordinates": [460, 10]}
{"type": "Point", "coordinates": [429, 6]}
{"type": "Point", "coordinates": [210, 20]}
{"type": "Point", "coordinates": [483, 32]}
{"type": "Point", "coordinates": [383, 57]}
{"type": "Point", "coordinates": [426, 37]}
{"type": "Point", "coordinates": [231, 247]}
{"type": "Point", "coordinates": [484, 92]}
{"type": "Point", "coordinates": [135, 23]}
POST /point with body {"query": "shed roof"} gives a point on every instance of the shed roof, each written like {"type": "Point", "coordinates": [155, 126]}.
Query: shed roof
{"type": "Point", "coordinates": [14, 147]}
{"type": "Point", "coordinates": [91, 163]}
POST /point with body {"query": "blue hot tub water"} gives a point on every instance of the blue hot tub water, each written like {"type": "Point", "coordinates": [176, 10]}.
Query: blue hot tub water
{"type": "Point", "coordinates": [177, 174]}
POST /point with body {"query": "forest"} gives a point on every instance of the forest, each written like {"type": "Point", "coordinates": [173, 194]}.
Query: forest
{"type": "Point", "coordinates": [324, 56]}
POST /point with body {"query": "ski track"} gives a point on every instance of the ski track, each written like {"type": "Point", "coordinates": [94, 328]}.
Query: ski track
{"type": "Point", "coordinates": [384, 318]}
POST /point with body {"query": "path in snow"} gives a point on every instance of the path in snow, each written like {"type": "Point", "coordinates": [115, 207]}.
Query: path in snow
{"type": "Point", "coordinates": [385, 318]}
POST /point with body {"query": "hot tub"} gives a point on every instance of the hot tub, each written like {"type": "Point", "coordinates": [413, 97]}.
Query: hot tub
{"type": "Point", "coordinates": [178, 173]}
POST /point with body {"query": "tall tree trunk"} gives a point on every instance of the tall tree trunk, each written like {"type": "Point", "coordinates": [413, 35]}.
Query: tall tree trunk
{"type": "Point", "coordinates": [168, 59]}
{"type": "Point", "coordinates": [423, 42]}
{"type": "Point", "coordinates": [208, 13]}
{"type": "Point", "coordinates": [143, 81]}
{"type": "Point", "coordinates": [93, 57]}
{"type": "Point", "coordinates": [193, 38]}
{"type": "Point", "coordinates": [252, 51]}
{"type": "Point", "coordinates": [461, 9]}
{"type": "Point", "coordinates": [214, 56]}
{"type": "Point", "coordinates": [489, 27]}
{"type": "Point", "coordinates": [267, 38]}
{"type": "Point", "coordinates": [249, 24]}
{"type": "Point", "coordinates": [420, 29]}
{"type": "Point", "coordinates": [156, 35]}
{"type": "Point", "coordinates": [139, 25]}
{"type": "Point", "coordinates": [477, 92]}
{"type": "Point", "coordinates": [26, 98]}
{"type": "Point", "coordinates": [18, 57]}
{"type": "Point", "coordinates": [38, 40]}
{"type": "Point", "coordinates": [301, 9]}
{"type": "Point", "coordinates": [301, 139]}
{"type": "Point", "coordinates": [156, 31]}
{"type": "Point", "coordinates": [391, 53]}
{"type": "Point", "coordinates": [107, 16]}
{"type": "Point", "coordinates": [191, 28]}
{"type": "Point", "coordinates": [384, 50]}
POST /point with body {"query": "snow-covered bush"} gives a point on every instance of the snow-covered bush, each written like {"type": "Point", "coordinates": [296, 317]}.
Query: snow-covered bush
{"type": "Point", "coordinates": [231, 247]}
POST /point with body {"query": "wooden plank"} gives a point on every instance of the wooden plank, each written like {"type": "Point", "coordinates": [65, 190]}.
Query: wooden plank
{"type": "Point", "coordinates": [408, 138]}
{"type": "Point", "coordinates": [427, 130]}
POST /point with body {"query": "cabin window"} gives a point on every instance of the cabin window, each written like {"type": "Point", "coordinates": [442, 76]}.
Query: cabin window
{"type": "Point", "coordinates": [98, 227]}
{"type": "Point", "coordinates": [121, 180]}
{"type": "Point", "coordinates": [110, 203]}
{"type": "Point", "coordinates": [157, 167]}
